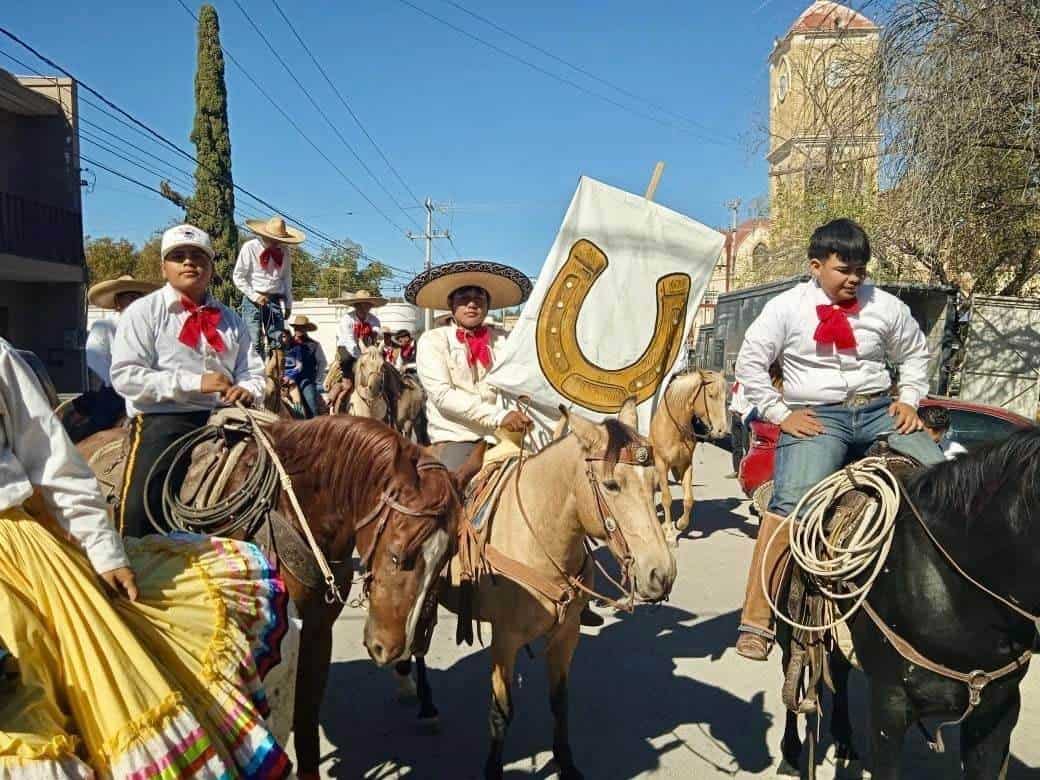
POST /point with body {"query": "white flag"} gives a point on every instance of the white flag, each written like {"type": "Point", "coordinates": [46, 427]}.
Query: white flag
{"type": "Point", "coordinates": [612, 308]}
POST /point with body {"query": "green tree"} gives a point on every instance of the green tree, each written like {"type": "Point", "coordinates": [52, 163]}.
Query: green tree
{"type": "Point", "coordinates": [334, 271]}
{"type": "Point", "coordinates": [108, 258]}
{"type": "Point", "coordinates": [212, 207]}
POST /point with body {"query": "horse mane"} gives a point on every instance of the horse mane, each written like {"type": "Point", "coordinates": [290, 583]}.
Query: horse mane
{"type": "Point", "coordinates": [358, 460]}
{"type": "Point", "coordinates": [966, 487]}
{"type": "Point", "coordinates": [619, 436]}
{"type": "Point", "coordinates": [684, 387]}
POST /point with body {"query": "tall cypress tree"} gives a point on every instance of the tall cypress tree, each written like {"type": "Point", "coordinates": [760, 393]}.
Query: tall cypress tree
{"type": "Point", "coordinates": [212, 208]}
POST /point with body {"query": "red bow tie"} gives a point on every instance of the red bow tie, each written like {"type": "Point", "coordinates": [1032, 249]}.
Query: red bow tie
{"type": "Point", "coordinates": [478, 345]}
{"type": "Point", "coordinates": [202, 321]}
{"type": "Point", "coordinates": [834, 327]}
{"type": "Point", "coordinates": [362, 331]}
{"type": "Point", "coordinates": [271, 254]}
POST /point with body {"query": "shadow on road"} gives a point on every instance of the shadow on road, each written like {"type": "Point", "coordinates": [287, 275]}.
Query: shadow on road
{"type": "Point", "coordinates": [711, 515]}
{"type": "Point", "coordinates": [626, 703]}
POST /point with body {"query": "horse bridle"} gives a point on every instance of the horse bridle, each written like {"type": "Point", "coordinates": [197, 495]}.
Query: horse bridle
{"type": "Point", "coordinates": [640, 456]}
{"type": "Point", "coordinates": [688, 431]}
{"type": "Point", "coordinates": [380, 515]}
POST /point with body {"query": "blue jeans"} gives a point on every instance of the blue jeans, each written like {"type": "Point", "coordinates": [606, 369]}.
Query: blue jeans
{"type": "Point", "coordinates": [309, 393]}
{"type": "Point", "coordinates": [267, 320]}
{"type": "Point", "coordinates": [848, 434]}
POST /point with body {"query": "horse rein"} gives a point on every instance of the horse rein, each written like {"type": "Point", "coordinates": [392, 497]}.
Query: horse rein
{"type": "Point", "coordinates": [640, 456]}
{"type": "Point", "coordinates": [387, 504]}
{"type": "Point", "coordinates": [687, 431]}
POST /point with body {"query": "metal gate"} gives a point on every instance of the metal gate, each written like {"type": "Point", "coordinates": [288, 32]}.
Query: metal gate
{"type": "Point", "coordinates": [1001, 363]}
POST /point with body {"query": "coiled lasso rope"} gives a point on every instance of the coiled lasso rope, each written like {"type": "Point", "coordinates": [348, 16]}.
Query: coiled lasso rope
{"type": "Point", "coordinates": [832, 565]}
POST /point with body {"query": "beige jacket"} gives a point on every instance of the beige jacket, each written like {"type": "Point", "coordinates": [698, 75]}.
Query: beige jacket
{"type": "Point", "coordinates": [460, 405]}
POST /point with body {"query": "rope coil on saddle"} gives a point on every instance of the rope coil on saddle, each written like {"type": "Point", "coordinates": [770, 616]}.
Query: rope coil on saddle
{"type": "Point", "coordinates": [245, 509]}
{"type": "Point", "coordinates": [833, 565]}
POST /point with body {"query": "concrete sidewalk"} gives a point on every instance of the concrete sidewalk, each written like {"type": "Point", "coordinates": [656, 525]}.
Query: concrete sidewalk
{"type": "Point", "coordinates": [657, 694]}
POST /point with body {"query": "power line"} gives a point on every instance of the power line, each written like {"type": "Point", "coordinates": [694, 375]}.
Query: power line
{"type": "Point", "coordinates": [135, 161]}
{"type": "Point", "coordinates": [584, 71]}
{"type": "Point", "coordinates": [165, 141]}
{"type": "Point", "coordinates": [321, 112]}
{"type": "Point", "coordinates": [346, 105]}
{"type": "Point", "coordinates": [296, 127]}
{"type": "Point", "coordinates": [556, 76]}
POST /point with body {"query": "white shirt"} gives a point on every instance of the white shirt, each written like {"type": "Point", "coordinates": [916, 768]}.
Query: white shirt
{"type": "Point", "coordinates": [156, 373]}
{"type": "Point", "coordinates": [99, 349]}
{"type": "Point", "coordinates": [460, 405]}
{"type": "Point", "coordinates": [35, 452]}
{"type": "Point", "coordinates": [345, 332]}
{"type": "Point", "coordinates": [821, 374]}
{"type": "Point", "coordinates": [738, 403]}
{"type": "Point", "coordinates": [254, 280]}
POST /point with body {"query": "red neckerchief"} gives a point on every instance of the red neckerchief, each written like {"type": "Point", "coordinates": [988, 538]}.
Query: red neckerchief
{"type": "Point", "coordinates": [362, 331]}
{"type": "Point", "coordinates": [202, 321]}
{"type": "Point", "coordinates": [388, 354]}
{"type": "Point", "coordinates": [408, 353]}
{"type": "Point", "coordinates": [478, 345]}
{"type": "Point", "coordinates": [834, 327]}
{"type": "Point", "coordinates": [271, 254]}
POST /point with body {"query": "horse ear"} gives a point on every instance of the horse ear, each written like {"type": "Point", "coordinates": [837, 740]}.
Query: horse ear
{"type": "Point", "coordinates": [560, 430]}
{"type": "Point", "coordinates": [464, 473]}
{"type": "Point", "coordinates": [588, 433]}
{"type": "Point", "coordinates": [627, 415]}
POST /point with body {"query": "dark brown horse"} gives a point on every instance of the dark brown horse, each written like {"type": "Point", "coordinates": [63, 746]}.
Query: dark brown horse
{"type": "Point", "coordinates": [361, 486]}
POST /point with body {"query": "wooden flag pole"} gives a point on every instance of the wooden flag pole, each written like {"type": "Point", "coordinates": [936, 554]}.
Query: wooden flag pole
{"type": "Point", "coordinates": [655, 179]}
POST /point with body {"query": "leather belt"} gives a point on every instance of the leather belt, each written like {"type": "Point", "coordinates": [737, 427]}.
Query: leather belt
{"type": "Point", "coordinates": [862, 399]}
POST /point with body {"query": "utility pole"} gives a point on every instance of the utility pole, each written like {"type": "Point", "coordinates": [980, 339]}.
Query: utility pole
{"type": "Point", "coordinates": [428, 237]}
{"type": "Point", "coordinates": [734, 208]}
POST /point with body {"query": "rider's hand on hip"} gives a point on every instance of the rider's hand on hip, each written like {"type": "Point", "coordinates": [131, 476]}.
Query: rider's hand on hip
{"type": "Point", "coordinates": [261, 300]}
{"type": "Point", "coordinates": [905, 417]}
{"type": "Point", "coordinates": [802, 424]}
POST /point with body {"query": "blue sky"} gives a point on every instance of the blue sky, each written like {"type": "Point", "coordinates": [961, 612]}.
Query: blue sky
{"type": "Point", "coordinates": [463, 124]}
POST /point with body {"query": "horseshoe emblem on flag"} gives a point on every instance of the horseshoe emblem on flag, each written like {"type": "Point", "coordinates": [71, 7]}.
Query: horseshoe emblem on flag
{"type": "Point", "coordinates": [570, 373]}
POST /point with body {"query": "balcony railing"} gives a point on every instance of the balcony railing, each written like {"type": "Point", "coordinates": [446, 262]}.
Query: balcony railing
{"type": "Point", "coordinates": [40, 231]}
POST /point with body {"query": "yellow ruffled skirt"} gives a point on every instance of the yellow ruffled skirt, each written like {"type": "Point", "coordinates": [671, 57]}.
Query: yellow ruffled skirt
{"type": "Point", "coordinates": [165, 687]}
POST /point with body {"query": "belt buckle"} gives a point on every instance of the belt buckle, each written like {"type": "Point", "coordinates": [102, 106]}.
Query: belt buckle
{"type": "Point", "coordinates": [857, 401]}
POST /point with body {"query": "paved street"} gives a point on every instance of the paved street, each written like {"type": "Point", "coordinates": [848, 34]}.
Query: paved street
{"type": "Point", "coordinates": [656, 694]}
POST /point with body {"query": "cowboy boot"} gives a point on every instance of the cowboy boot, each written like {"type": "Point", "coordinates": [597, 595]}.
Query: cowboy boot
{"type": "Point", "coordinates": [755, 639]}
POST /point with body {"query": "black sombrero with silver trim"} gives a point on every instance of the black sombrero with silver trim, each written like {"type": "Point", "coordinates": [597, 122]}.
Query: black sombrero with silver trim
{"type": "Point", "coordinates": [506, 285]}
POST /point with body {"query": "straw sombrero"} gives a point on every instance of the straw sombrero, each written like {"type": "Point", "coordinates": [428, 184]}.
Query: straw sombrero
{"type": "Point", "coordinates": [361, 296]}
{"type": "Point", "coordinates": [276, 229]}
{"type": "Point", "coordinates": [103, 294]}
{"type": "Point", "coordinates": [506, 285]}
{"type": "Point", "coordinates": [302, 322]}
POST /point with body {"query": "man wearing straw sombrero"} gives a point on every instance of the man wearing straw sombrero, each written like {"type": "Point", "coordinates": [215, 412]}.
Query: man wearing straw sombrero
{"type": "Point", "coordinates": [263, 274]}
{"type": "Point", "coordinates": [453, 361]}
{"type": "Point", "coordinates": [101, 406]}
{"type": "Point", "coordinates": [358, 329]}
{"type": "Point", "coordinates": [305, 363]}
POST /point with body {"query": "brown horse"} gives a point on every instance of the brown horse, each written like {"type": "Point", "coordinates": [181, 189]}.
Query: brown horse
{"type": "Point", "coordinates": [700, 395]}
{"type": "Point", "coordinates": [597, 482]}
{"type": "Point", "coordinates": [361, 485]}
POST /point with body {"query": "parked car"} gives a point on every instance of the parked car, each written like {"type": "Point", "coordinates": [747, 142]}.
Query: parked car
{"type": "Point", "coordinates": [970, 425]}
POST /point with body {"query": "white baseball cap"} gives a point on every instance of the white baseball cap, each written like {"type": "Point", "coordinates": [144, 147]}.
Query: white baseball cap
{"type": "Point", "coordinates": [186, 235]}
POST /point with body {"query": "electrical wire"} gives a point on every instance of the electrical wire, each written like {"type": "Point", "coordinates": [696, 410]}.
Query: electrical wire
{"type": "Point", "coordinates": [585, 72]}
{"type": "Point", "coordinates": [346, 105]}
{"type": "Point", "coordinates": [556, 76]}
{"type": "Point", "coordinates": [321, 112]}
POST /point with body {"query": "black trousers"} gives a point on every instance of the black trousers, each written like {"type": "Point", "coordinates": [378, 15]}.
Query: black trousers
{"type": "Point", "coordinates": [150, 436]}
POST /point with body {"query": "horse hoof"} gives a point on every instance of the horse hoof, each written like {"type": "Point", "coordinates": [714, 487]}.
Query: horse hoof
{"type": "Point", "coordinates": [785, 769]}
{"type": "Point", "coordinates": [844, 768]}
{"type": "Point", "coordinates": [429, 724]}
{"type": "Point", "coordinates": [406, 690]}
{"type": "Point", "coordinates": [570, 773]}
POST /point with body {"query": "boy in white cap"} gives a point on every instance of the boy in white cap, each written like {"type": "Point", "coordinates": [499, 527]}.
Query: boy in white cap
{"type": "Point", "coordinates": [177, 354]}
{"type": "Point", "coordinates": [263, 274]}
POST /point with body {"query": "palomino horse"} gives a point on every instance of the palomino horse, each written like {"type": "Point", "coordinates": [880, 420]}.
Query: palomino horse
{"type": "Point", "coordinates": [361, 485]}
{"type": "Point", "coordinates": [951, 596]}
{"type": "Point", "coordinates": [597, 482]}
{"type": "Point", "coordinates": [381, 392]}
{"type": "Point", "coordinates": [700, 395]}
